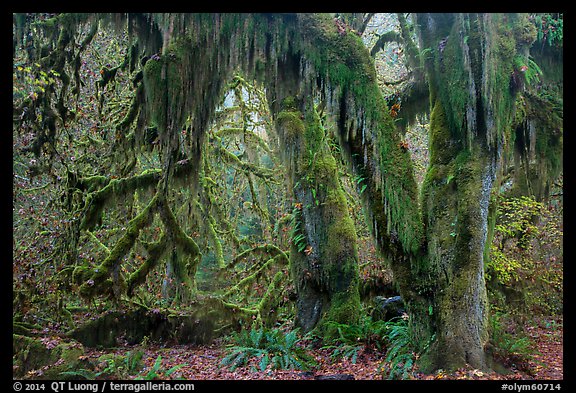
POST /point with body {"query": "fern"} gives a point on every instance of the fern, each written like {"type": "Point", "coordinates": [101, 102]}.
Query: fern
{"type": "Point", "coordinates": [273, 347]}
{"type": "Point", "coordinates": [345, 351]}
{"type": "Point", "coordinates": [529, 68]}
{"type": "Point", "coordinates": [400, 354]}
{"type": "Point", "coordinates": [157, 373]}
{"type": "Point", "coordinates": [117, 367]}
{"type": "Point", "coordinates": [506, 344]}
{"type": "Point", "coordinates": [352, 339]}
{"type": "Point", "coordinates": [533, 72]}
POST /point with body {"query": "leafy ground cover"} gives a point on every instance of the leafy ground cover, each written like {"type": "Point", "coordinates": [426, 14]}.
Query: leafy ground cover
{"type": "Point", "coordinates": [205, 362]}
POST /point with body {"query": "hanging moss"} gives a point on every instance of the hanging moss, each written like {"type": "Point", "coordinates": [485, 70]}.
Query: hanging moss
{"type": "Point", "coordinates": [365, 128]}
{"type": "Point", "coordinates": [323, 262]}
{"type": "Point", "coordinates": [538, 145]}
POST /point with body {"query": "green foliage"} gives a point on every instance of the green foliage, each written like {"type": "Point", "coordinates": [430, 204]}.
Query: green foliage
{"type": "Point", "coordinates": [394, 335]}
{"type": "Point", "coordinates": [361, 186]}
{"type": "Point", "coordinates": [400, 356]}
{"type": "Point", "coordinates": [273, 348]}
{"type": "Point", "coordinates": [30, 81]}
{"type": "Point", "coordinates": [298, 238]}
{"type": "Point", "coordinates": [156, 372]}
{"type": "Point", "coordinates": [116, 367]}
{"type": "Point", "coordinates": [508, 345]}
{"type": "Point", "coordinates": [529, 68]}
{"type": "Point", "coordinates": [351, 339]}
{"type": "Point", "coordinates": [526, 253]}
{"type": "Point", "coordinates": [125, 367]}
{"type": "Point", "coordinates": [550, 28]}
{"type": "Point", "coordinates": [516, 221]}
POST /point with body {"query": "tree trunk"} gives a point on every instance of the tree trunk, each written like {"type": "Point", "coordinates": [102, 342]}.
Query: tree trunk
{"type": "Point", "coordinates": [469, 70]}
{"type": "Point", "coordinates": [456, 197]}
{"type": "Point", "coordinates": [323, 256]}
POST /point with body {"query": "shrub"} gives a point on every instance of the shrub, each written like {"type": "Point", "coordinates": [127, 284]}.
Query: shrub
{"type": "Point", "coordinates": [525, 262]}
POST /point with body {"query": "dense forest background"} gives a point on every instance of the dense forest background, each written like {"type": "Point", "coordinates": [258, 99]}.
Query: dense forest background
{"type": "Point", "coordinates": [134, 232]}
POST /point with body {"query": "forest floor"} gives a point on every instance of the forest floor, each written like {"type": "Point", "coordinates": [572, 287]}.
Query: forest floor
{"type": "Point", "coordinates": [204, 362]}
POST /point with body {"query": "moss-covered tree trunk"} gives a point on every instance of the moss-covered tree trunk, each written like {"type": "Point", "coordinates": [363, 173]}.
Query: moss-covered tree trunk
{"type": "Point", "coordinates": [456, 198]}
{"type": "Point", "coordinates": [323, 256]}
{"type": "Point", "coordinates": [472, 103]}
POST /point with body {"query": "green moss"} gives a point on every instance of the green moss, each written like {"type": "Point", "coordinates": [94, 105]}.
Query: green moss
{"type": "Point", "coordinates": [525, 30]}
{"type": "Point", "coordinates": [537, 141]}
{"type": "Point", "coordinates": [185, 256]}
{"type": "Point", "coordinates": [99, 282]}
{"type": "Point", "coordinates": [324, 262]}
{"type": "Point", "coordinates": [442, 147]}
{"type": "Point", "coordinates": [471, 75]}
{"type": "Point", "coordinates": [344, 309]}
{"type": "Point", "coordinates": [292, 126]}
{"type": "Point", "coordinates": [111, 190]}
{"type": "Point", "coordinates": [81, 274]}
{"type": "Point", "coordinates": [366, 130]}
{"type": "Point", "coordinates": [341, 232]}
{"type": "Point", "coordinates": [155, 252]}
{"type": "Point", "coordinates": [52, 358]}
{"type": "Point", "coordinates": [267, 305]}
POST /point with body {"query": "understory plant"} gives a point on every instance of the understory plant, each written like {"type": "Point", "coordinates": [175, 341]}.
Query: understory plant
{"type": "Point", "coordinates": [350, 340]}
{"type": "Point", "coordinates": [510, 347]}
{"type": "Point", "coordinates": [273, 347]}
{"type": "Point", "coordinates": [400, 354]}
{"type": "Point", "coordinates": [156, 372]}
{"type": "Point", "coordinates": [124, 367]}
{"type": "Point", "coordinates": [393, 336]}
{"type": "Point", "coordinates": [524, 271]}
{"type": "Point", "coordinates": [112, 367]}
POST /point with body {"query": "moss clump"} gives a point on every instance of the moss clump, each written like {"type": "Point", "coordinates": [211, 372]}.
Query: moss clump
{"type": "Point", "coordinates": [442, 147]}
{"type": "Point", "coordinates": [45, 358]}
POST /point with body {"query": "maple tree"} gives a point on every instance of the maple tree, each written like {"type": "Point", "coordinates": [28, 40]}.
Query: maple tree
{"type": "Point", "coordinates": [215, 171]}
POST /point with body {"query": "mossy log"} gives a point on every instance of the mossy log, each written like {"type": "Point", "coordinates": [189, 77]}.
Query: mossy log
{"type": "Point", "coordinates": [199, 323]}
{"type": "Point", "coordinates": [45, 357]}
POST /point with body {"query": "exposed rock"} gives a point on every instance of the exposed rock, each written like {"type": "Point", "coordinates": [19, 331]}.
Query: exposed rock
{"type": "Point", "coordinates": [386, 308]}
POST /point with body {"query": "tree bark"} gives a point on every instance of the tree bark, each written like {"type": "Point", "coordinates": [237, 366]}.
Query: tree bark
{"type": "Point", "coordinates": [469, 72]}
{"type": "Point", "coordinates": [456, 197]}
{"type": "Point", "coordinates": [323, 256]}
